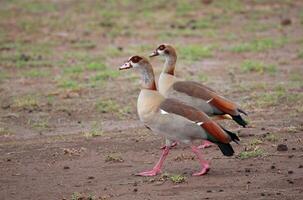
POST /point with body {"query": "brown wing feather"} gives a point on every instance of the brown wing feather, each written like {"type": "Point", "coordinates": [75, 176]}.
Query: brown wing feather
{"type": "Point", "coordinates": [176, 107]}
{"type": "Point", "coordinates": [193, 89]}
{"type": "Point", "coordinates": [197, 90]}
{"type": "Point", "coordinates": [216, 131]}
{"type": "Point", "coordinates": [224, 105]}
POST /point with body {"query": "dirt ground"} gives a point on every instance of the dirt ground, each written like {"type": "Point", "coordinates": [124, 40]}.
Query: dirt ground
{"type": "Point", "coordinates": [68, 122]}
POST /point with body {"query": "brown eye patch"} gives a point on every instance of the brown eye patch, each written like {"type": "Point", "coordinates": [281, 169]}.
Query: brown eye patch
{"type": "Point", "coordinates": [161, 47]}
{"type": "Point", "coordinates": [135, 59]}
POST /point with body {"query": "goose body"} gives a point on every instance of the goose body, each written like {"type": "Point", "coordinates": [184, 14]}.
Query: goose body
{"type": "Point", "coordinates": [193, 93]}
{"type": "Point", "coordinates": [175, 120]}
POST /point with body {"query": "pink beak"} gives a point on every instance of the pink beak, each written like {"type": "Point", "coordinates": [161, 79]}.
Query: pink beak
{"type": "Point", "coordinates": [126, 65]}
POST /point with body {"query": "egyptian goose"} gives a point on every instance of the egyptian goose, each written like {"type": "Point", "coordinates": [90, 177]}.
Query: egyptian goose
{"type": "Point", "coordinates": [193, 93]}
{"type": "Point", "coordinates": [175, 120]}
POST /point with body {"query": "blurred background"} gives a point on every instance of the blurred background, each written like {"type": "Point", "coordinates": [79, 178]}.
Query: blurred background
{"type": "Point", "coordinates": [59, 59]}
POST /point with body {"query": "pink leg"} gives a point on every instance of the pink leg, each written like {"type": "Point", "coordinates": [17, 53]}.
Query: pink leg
{"type": "Point", "coordinates": [204, 164]}
{"type": "Point", "coordinates": [205, 144]}
{"type": "Point", "coordinates": [171, 146]}
{"type": "Point", "coordinates": [157, 168]}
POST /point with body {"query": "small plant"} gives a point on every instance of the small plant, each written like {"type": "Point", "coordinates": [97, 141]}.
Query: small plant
{"type": "Point", "coordinates": [271, 137]}
{"type": "Point", "coordinates": [76, 196]}
{"type": "Point", "coordinates": [251, 153]}
{"type": "Point", "coordinates": [114, 158]}
{"type": "Point", "coordinates": [176, 179]}
{"type": "Point", "coordinates": [255, 142]}
{"type": "Point", "coordinates": [4, 132]}
{"type": "Point", "coordinates": [107, 106]}
{"type": "Point", "coordinates": [94, 131]}
{"type": "Point", "coordinates": [26, 102]}
{"type": "Point", "coordinates": [39, 125]}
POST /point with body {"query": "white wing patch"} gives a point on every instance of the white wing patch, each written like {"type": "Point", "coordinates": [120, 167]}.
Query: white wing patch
{"type": "Point", "coordinates": [199, 123]}
{"type": "Point", "coordinates": [209, 100]}
{"type": "Point", "coordinates": [163, 112]}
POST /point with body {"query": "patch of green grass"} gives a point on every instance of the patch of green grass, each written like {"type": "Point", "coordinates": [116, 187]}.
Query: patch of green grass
{"type": "Point", "coordinates": [251, 154]}
{"type": "Point", "coordinates": [111, 106]}
{"type": "Point", "coordinates": [113, 51]}
{"type": "Point", "coordinates": [195, 52]}
{"type": "Point", "coordinates": [3, 75]}
{"type": "Point", "coordinates": [73, 69]}
{"type": "Point", "coordinates": [114, 158]}
{"type": "Point", "coordinates": [40, 125]}
{"type": "Point", "coordinates": [300, 54]}
{"type": "Point", "coordinates": [102, 76]}
{"type": "Point", "coordinates": [229, 6]}
{"type": "Point", "coordinates": [301, 16]}
{"type": "Point", "coordinates": [280, 88]}
{"type": "Point", "coordinates": [96, 66]}
{"type": "Point", "coordinates": [268, 99]}
{"type": "Point", "coordinates": [107, 106]}
{"type": "Point", "coordinates": [177, 178]}
{"type": "Point", "coordinates": [211, 22]}
{"type": "Point", "coordinates": [258, 45]}
{"type": "Point", "coordinates": [184, 7]}
{"type": "Point", "coordinates": [68, 84]}
{"type": "Point", "coordinates": [105, 75]}
{"type": "Point", "coordinates": [36, 73]}
{"type": "Point", "coordinates": [257, 66]}
{"type": "Point", "coordinates": [38, 7]}
{"type": "Point", "coordinates": [203, 77]}
{"type": "Point", "coordinates": [94, 131]}
{"type": "Point", "coordinates": [275, 98]}
{"type": "Point", "coordinates": [26, 102]}
{"type": "Point", "coordinates": [21, 60]}
{"type": "Point", "coordinates": [256, 26]}
{"type": "Point", "coordinates": [4, 132]}
{"type": "Point", "coordinates": [84, 44]}
{"type": "Point", "coordinates": [296, 76]}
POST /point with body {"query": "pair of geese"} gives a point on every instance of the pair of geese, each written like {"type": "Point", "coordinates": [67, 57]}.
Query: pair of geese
{"type": "Point", "coordinates": [181, 110]}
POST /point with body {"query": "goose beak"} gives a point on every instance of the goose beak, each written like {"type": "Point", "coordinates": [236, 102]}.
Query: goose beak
{"type": "Point", "coordinates": [126, 65]}
{"type": "Point", "coordinates": [155, 53]}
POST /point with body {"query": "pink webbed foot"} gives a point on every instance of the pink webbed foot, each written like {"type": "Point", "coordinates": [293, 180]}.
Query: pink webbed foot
{"type": "Point", "coordinates": [152, 172]}
{"type": "Point", "coordinates": [157, 168]}
{"type": "Point", "coordinates": [203, 171]}
{"type": "Point", "coordinates": [205, 144]}
{"type": "Point", "coordinates": [203, 163]}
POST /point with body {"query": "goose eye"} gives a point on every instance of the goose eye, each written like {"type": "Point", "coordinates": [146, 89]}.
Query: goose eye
{"type": "Point", "coordinates": [161, 47]}
{"type": "Point", "coordinates": [135, 59]}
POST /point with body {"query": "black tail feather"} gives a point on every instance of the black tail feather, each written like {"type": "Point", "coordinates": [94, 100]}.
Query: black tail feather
{"type": "Point", "coordinates": [242, 111]}
{"type": "Point", "coordinates": [239, 120]}
{"type": "Point", "coordinates": [226, 149]}
{"type": "Point", "coordinates": [233, 136]}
